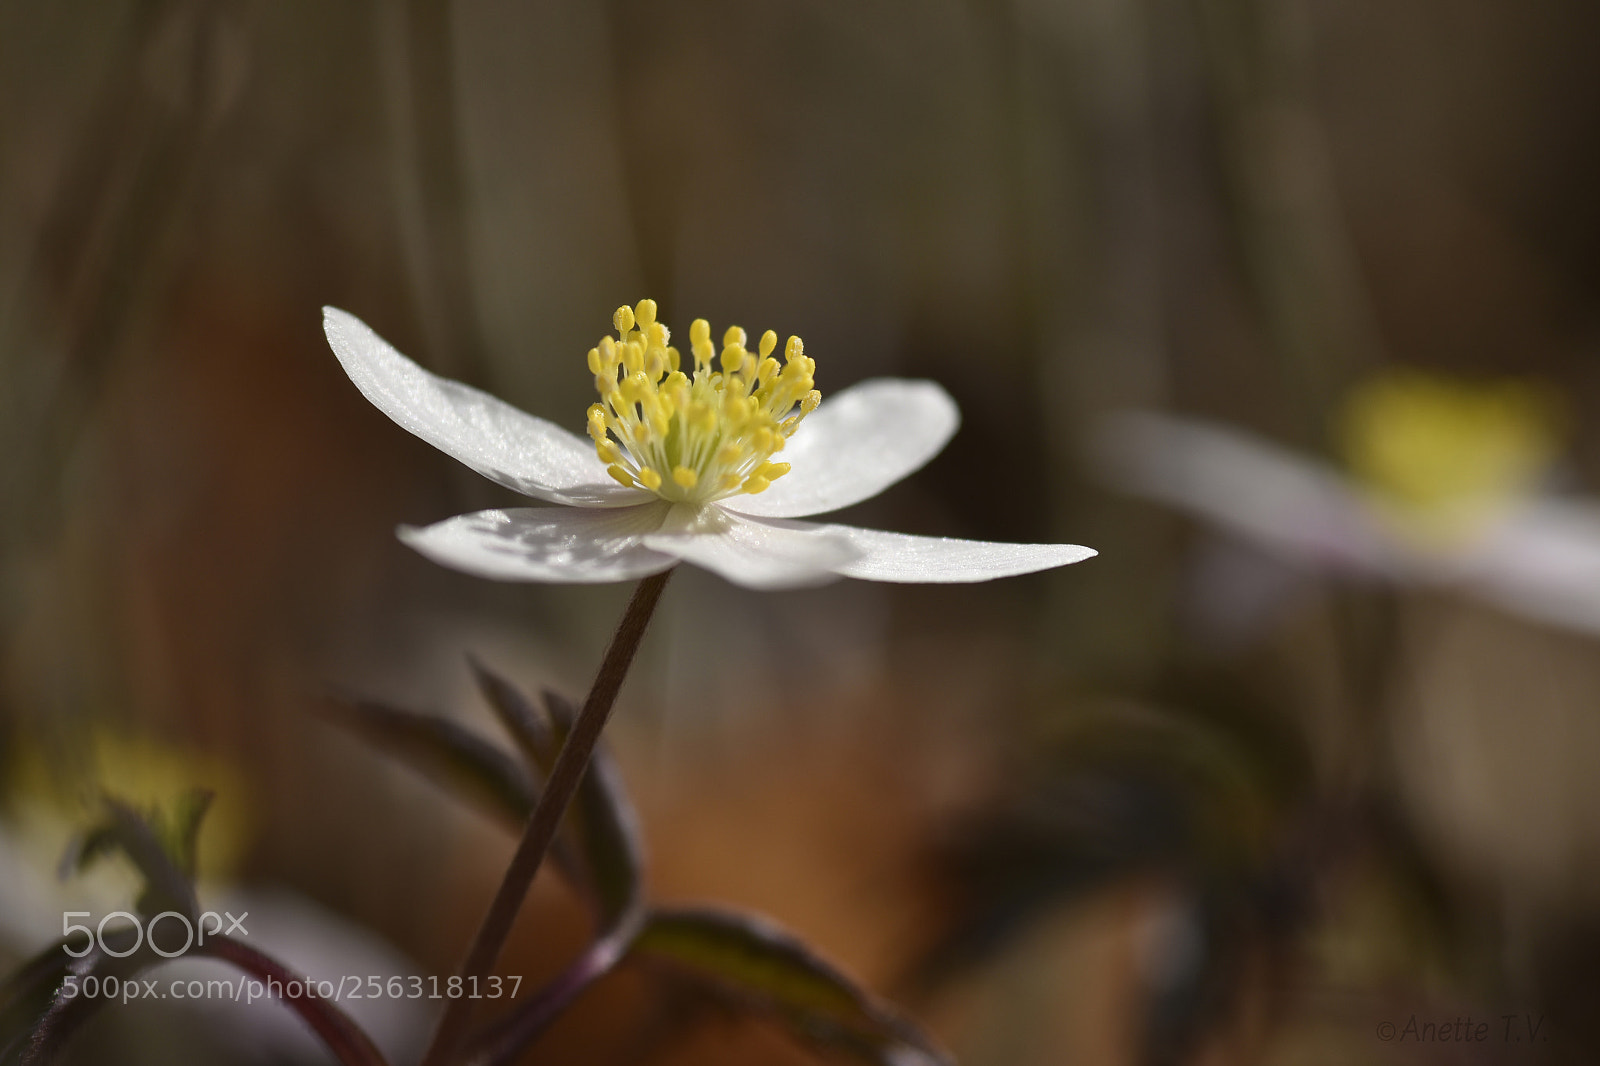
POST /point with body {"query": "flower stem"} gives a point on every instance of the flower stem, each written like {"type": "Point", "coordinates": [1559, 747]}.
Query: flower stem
{"type": "Point", "coordinates": [565, 776]}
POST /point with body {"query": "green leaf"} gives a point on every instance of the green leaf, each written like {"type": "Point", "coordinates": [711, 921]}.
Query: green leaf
{"type": "Point", "coordinates": [178, 828]}
{"type": "Point", "coordinates": [160, 845]}
{"type": "Point", "coordinates": [450, 755]}
{"type": "Point", "coordinates": [754, 962]}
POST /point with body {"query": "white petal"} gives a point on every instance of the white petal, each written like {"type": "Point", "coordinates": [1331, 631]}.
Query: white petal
{"type": "Point", "coordinates": [535, 457]}
{"type": "Point", "coordinates": [561, 544]}
{"type": "Point", "coordinates": [1298, 508]}
{"type": "Point", "coordinates": [854, 446]}
{"type": "Point", "coordinates": [902, 557]}
{"type": "Point", "coordinates": [757, 554]}
{"type": "Point", "coordinates": [1543, 562]}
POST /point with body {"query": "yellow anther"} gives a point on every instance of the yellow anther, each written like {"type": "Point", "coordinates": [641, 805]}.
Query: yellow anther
{"type": "Point", "coordinates": [810, 401]}
{"type": "Point", "coordinates": [633, 387]}
{"type": "Point", "coordinates": [703, 419]}
{"type": "Point", "coordinates": [694, 436]}
{"type": "Point", "coordinates": [793, 349]}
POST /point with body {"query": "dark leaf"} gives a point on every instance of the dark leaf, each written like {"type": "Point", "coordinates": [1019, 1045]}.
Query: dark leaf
{"type": "Point", "coordinates": [599, 848]}
{"type": "Point", "coordinates": [87, 849]}
{"type": "Point", "coordinates": [528, 723]}
{"type": "Point", "coordinates": [604, 823]}
{"type": "Point", "coordinates": [166, 887]}
{"type": "Point", "coordinates": [452, 756]}
{"type": "Point", "coordinates": [607, 829]}
{"type": "Point", "coordinates": [755, 962]}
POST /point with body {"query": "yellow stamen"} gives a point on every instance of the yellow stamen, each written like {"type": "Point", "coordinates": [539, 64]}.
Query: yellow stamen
{"type": "Point", "coordinates": [700, 436]}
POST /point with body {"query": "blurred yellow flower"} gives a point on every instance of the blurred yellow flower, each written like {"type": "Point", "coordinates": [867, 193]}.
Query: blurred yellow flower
{"type": "Point", "coordinates": [57, 799]}
{"type": "Point", "coordinates": [1443, 458]}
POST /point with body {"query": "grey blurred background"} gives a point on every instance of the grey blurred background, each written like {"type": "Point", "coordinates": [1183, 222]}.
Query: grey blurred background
{"type": "Point", "coordinates": [1055, 816]}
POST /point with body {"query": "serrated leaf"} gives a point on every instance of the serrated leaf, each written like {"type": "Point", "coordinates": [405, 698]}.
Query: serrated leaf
{"type": "Point", "coordinates": [161, 843]}
{"type": "Point", "coordinates": [87, 849]}
{"type": "Point", "coordinates": [755, 962]}
{"type": "Point", "coordinates": [443, 751]}
{"type": "Point", "coordinates": [165, 886]}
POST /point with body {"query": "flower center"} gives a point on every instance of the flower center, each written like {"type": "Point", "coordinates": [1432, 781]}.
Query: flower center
{"type": "Point", "coordinates": [701, 438]}
{"type": "Point", "coordinates": [1442, 456]}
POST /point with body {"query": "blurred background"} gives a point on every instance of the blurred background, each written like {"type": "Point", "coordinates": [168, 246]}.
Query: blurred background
{"type": "Point", "coordinates": [1203, 799]}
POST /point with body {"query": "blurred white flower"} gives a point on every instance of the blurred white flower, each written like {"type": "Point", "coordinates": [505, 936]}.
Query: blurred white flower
{"type": "Point", "coordinates": [680, 467]}
{"type": "Point", "coordinates": [1446, 487]}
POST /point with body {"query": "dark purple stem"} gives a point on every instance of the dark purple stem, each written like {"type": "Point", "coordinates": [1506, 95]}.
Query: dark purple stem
{"type": "Point", "coordinates": [507, 1039]}
{"type": "Point", "coordinates": [344, 1038]}
{"type": "Point", "coordinates": [563, 783]}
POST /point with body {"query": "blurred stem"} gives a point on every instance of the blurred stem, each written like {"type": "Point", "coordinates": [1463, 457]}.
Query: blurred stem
{"type": "Point", "coordinates": [562, 785]}
{"type": "Point", "coordinates": [432, 186]}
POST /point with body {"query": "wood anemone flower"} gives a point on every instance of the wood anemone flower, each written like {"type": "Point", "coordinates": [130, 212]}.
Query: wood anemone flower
{"type": "Point", "coordinates": [679, 466]}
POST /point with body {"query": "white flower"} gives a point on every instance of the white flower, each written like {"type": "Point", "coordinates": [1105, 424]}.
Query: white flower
{"type": "Point", "coordinates": [1447, 493]}
{"type": "Point", "coordinates": [679, 468]}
